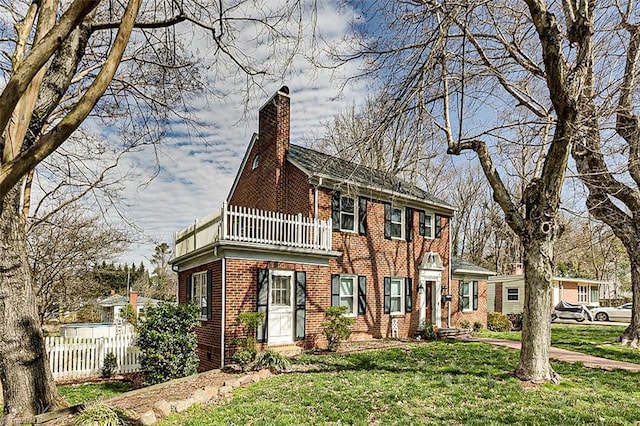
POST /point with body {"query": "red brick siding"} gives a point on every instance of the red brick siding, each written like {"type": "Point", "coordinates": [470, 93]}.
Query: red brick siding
{"type": "Point", "coordinates": [498, 305]}
{"type": "Point", "coordinates": [209, 332]}
{"type": "Point", "coordinates": [458, 316]}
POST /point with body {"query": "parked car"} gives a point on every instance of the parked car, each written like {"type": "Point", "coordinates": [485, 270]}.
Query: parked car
{"type": "Point", "coordinates": [619, 313]}
{"type": "Point", "coordinates": [566, 310]}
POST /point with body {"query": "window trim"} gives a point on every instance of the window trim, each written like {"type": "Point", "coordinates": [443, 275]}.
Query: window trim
{"type": "Point", "coordinates": [517, 299]}
{"type": "Point", "coordinates": [424, 229]}
{"type": "Point", "coordinates": [583, 293]}
{"type": "Point", "coordinates": [468, 296]}
{"type": "Point", "coordinates": [401, 223]}
{"type": "Point", "coordinates": [203, 294]}
{"type": "Point", "coordinates": [354, 295]}
{"type": "Point", "coordinates": [356, 207]}
{"type": "Point", "coordinates": [402, 296]}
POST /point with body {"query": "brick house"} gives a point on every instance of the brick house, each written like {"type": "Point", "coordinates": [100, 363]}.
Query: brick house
{"type": "Point", "coordinates": [301, 231]}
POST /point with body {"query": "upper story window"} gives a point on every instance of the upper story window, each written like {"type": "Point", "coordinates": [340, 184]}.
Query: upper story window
{"type": "Point", "coordinates": [256, 162]}
{"type": "Point", "coordinates": [425, 227]}
{"type": "Point", "coordinates": [347, 214]}
{"type": "Point", "coordinates": [394, 222]}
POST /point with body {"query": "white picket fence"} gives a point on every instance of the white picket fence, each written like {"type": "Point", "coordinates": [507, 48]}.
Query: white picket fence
{"type": "Point", "coordinates": [76, 358]}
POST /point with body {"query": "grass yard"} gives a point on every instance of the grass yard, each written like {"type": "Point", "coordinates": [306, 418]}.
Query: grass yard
{"type": "Point", "coordinates": [429, 383]}
{"type": "Point", "coordinates": [597, 340]}
{"type": "Point", "coordinates": [88, 392]}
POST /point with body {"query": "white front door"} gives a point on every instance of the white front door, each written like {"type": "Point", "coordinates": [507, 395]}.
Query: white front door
{"type": "Point", "coordinates": [280, 307]}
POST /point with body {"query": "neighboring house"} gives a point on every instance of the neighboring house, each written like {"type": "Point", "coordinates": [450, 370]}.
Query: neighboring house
{"type": "Point", "coordinates": [111, 306]}
{"type": "Point", "coordinates": [507, 292]}
{"type": "Point", "coordinates": [468, 292]}
{"type": "Point", "coordinates": [302, 231]}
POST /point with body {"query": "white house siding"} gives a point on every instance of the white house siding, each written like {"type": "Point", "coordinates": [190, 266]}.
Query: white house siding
{"type": "Point", "coordinates": [512, 307]}
{"type": "Point", "coordinates": [491, 297]}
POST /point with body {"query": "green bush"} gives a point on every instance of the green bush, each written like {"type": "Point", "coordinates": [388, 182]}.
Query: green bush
{"type": "Point", "coordinates": [465, 324]}
{"type": "Point", "coordinates": [167, 342]}
{"type": "Point", "coordinates": [244, 358]}
{"type": "Point", "coordinates": [110, 365]}
{"type": "Point", "coordinates": [498, 322]}
{"type": "Point", "coordinates": [336, 327]}
{"type": "Point", "coordinates": [477, 326]}
{"type": "Point", "coordinates": [272, 360]}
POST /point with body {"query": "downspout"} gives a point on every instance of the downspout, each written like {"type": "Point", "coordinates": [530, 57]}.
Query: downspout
{"type": "Point", "coordinates": [224, 310]}
{"type": "Point", "coordinates": [315, 198]}
{"type": "Point", "coordinates": [450, 276]}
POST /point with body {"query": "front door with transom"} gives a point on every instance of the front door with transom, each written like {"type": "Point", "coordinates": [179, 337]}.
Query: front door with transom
{"type": "Point", "coordinates": [280, 321]}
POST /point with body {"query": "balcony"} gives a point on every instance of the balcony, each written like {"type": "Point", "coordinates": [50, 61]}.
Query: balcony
{"type": "Point", "coordinates": [255, 227]}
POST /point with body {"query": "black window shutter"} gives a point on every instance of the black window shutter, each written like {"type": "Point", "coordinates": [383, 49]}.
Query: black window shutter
{"type": "Point", "coordinates": [301, 304]}
{"type": "Point", "coordinates": [438, 226]}
{"type": "Point", "coordinates": [460, 295]}
{"type": "Point", "coordinates": [421, 223]}
{"type": "Point", "coordinates": [189, 285]}
{"type": "Point", "coordinates": [362, 294]}
{"type": "Point", "coordinates": [263, 302]}
{"type": "Point", "coordinates": [387, 295]}
{"type": "Point", "coordinates": [209, 294]}
{"type": "Point", "coordinates": [408, 294]}
{"type": "Point", "coordinates": [387, 221]}
{"type": "Point", "coordinates": [335, 290]}
{"type": "Point", "coordinates": [335, 210]}
{"type": "Point", "coordinates": [362, 216]}
{"type": "Point", "coordinates": [475, 295]}
{"type": "Point", "coordinates": [408, 223]}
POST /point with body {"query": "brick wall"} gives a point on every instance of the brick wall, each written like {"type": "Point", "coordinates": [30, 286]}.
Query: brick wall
{"type": "Point", "coordinates": [458, 316]}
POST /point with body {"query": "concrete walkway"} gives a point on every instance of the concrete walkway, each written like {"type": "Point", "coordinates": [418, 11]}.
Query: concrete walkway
{"type": "Point", "coordinates": [566, 356]}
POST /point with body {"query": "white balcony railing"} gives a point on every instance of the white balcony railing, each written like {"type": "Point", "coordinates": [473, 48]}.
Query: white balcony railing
{"type": "Point", "coordinates": [241, 224]}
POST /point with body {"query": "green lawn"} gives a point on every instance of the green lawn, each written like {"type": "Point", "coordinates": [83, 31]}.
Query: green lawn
{"type": "Point", "coordinates": [88, 392]}
{"type": "Point", "coordinates": [430, 383]}
{"type": "Point", "coordinates": [598, 340]}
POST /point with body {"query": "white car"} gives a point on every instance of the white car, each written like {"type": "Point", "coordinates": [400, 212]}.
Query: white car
{"type": "Point", "coordinates": [620, 313]}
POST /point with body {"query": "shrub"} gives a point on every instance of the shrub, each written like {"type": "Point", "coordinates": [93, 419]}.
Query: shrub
{"type": "Point", "coordinates": [244, 358]}
{"type": "Point", "coordinates": [167, 342]}
{"type": "Point", "coordinates": [272, 360]}
{"type": "Point", "coordinates": [498, 322]}
{"type": "Point", "coordinates": [128, 314]}
{"type": "Point", "coordinates": [88, 313]}
{"type": "Point", "coordinates": [477, 326]}
{"type": "Point", "coordinates": [427, 331]}
{"type": "Point", "coordinates": [110, 365]}
{"type": "Point", "coordinates": [465, 324]}
{"type": "Point", "coordinates": [251, 321]}
{"type": "Point", "coordinates": [336, 327]}
{"type": "Point", "coordinates": [103, 415]}
{"type": "Point", "coordinates": [516, 321]}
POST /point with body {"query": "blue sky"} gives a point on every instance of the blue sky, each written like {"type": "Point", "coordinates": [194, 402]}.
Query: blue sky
{"type": "Point", "coordinates": [198, 165]}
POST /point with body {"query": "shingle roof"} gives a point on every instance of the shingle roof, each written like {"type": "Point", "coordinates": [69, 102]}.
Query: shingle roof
{"type": "Point", "coordinates": [458, 264]}
{"type": "Point", "coordinates": [318, 163]}
{"type": "Point", "coordinates": [118, 300]}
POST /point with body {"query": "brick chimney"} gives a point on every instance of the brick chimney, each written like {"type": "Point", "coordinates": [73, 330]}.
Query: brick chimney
{"type": "Point", "coordinates": [274, 138]}
{"type": "Point", "coordinates": [517, 269]}
{"type": "Point", "coordinates": [133, 301]}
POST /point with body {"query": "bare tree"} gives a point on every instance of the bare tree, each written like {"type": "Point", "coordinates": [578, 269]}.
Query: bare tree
{"type": "Point", "coordinates": [607, 145]}
{"type": "Point", "coordinates": [123, 62]}
{"type": "Point", "coordinates": [494, 78]}
{"type": "Point", "coordinates": [63, 250]}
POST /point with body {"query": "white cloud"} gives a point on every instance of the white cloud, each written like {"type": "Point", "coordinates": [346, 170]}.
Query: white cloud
{"type": "Point", "coordinates": [198, 167]}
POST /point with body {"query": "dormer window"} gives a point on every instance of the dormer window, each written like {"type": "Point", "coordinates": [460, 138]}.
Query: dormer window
{"type": "Point", "coordinates": [256, 162]}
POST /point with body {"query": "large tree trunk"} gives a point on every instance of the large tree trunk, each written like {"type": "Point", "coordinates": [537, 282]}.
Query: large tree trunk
{"type": "Point", "coordinates": [534, 363]}
{"type": "Point", "coordinates": [631, 334]}
{"type": "Point", "coordinates": [27, 382]}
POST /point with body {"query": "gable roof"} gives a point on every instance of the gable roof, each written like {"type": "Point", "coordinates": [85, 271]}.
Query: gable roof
{"type": "Point", "coordinates": [318, 164]}
{"type": "Point", "coordinates": [460, 266]}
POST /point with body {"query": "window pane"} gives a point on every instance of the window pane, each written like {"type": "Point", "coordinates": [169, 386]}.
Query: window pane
{"type": "Point", "coordinates": [595, 294]}
{"type": "Point", "coordinates": [396, 230]}
{"type": "Point", "coordinates": [346, 287]}
{"type": "Point", "coordinates": [347, 221]}
{"type": "Point", "coordinates": [427, 226]}
{"type": "Point", "coordinates": [348, 302]}
{"type": "Point", "coordinates": [347, 204]}
{"type": "Point", "coordinates": [281, 291]}
{"type": "Point", "coordinates": [465, 302]}
{"type": "Point", "coordinates": [395, 304]}
{"type": "Point", "coordinates": [396, 288]}
{"type": "Point", "coordinates": [396, 215]}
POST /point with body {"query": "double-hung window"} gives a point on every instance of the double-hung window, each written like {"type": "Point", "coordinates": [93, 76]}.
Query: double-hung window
{"type": "Point", "coordinates": [468, 295]}
{"type": "Point", "coordinates": [199, 292]}
{"type": "Point", "coordinates": [397, 296]}
{"type": "Point", "coordinates": [396, 222]}
{"type": "Point", "coordinates": [583, 295]}
{"type": "Point", "coordinates": [347, 214]}
{"type": "Point", "coordinates": [595, 295]}
{"type": "Point", "coordinates": [426, 225]}
{"type": "Point", "coordinates": [348, 293]}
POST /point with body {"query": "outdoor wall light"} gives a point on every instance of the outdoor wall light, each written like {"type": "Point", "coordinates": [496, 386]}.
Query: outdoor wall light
{"type": "Point", "coordinates": [421, 288]}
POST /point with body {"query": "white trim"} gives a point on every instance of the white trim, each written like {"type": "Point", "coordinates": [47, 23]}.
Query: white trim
{"type": "Point", "coordinates": [403, 220]}
{"type": "Point", "coordinates": [356, 208]}
{"type": "Point", "coordinates": [224, 310]}
{"type": "Point", "coordinates": [193, 296]}
{"type": "Point", "coordinates": [403, 295]}
{"type": "Point", "coordinates": [245, 159]}
{"type": "Point", "coordinates": [354, 312]}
